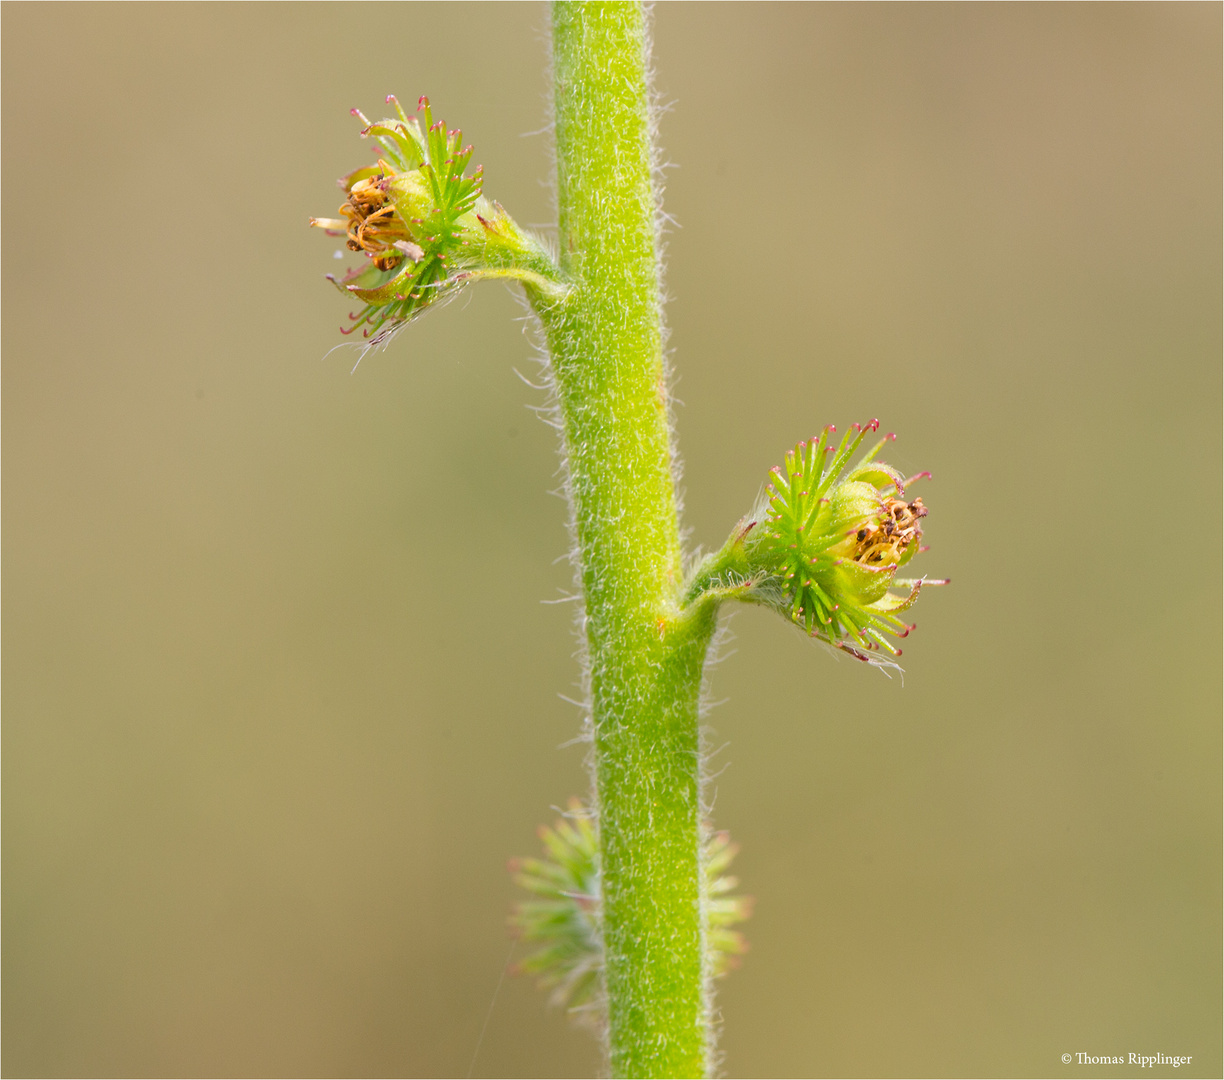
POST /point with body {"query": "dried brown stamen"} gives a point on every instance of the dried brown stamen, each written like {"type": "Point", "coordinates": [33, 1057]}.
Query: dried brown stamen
{"type": "Point", "coordinates": [373, 225]}
{"type": "Point", "coordinates": [883, 541]}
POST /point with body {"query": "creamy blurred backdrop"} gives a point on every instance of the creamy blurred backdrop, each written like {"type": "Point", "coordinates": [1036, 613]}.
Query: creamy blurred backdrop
{"type": "Point", "coordinates": [281, 696]}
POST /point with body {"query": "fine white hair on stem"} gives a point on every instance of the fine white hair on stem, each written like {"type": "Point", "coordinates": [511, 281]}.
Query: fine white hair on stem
{"type": "Point", "coordinates": [550, 412]}
{"type": "Point", "coordinates": [717, 650]}
{"type": "Point", "coordinates": [656, 108]}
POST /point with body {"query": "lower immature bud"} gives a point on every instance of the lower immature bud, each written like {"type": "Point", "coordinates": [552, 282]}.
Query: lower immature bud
{"type": "Point", "coordinates": [562, 920]}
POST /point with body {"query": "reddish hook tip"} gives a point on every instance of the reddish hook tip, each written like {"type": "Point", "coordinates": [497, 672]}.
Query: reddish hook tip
{"type": "Point", "coordinates": [422, 102]}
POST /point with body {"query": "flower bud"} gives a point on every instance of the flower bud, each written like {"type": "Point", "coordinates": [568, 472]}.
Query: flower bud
{"type": "Point", "coordinates": [827, 549]}
{"type": "Point", "coordinates": [562, 921]}
{"type": "Point", "coordinates": [423, 224]}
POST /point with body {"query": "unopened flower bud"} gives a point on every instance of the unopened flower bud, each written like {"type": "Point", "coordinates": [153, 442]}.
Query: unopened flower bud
{"type": "Point", "coordinates": [562, 920]}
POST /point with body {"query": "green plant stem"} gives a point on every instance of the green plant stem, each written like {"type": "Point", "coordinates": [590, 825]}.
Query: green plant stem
{"type": "Point", "coordinates": [645, 659]}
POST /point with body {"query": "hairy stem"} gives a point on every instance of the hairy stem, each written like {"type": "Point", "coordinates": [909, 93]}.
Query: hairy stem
{"type": "Point", "coordinates": [646, 661]}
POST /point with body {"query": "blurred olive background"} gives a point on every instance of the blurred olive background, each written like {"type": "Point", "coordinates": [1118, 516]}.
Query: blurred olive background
{"type": "Point", "coordinates": [281, 696]}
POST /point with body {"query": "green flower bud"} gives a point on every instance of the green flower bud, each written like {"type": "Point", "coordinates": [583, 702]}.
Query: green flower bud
{"type": "Point", "coordinates": [424, 226]}
{"type": "Point", "coordinates": [826, 548]}
{"type": "Point", "coordinates": [562, 922]}
{"type": "Point", "coordinates": [562, 919]}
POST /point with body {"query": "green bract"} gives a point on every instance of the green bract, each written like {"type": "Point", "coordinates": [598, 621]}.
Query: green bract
{"type": "Point", "coordinates": [424, 225]}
